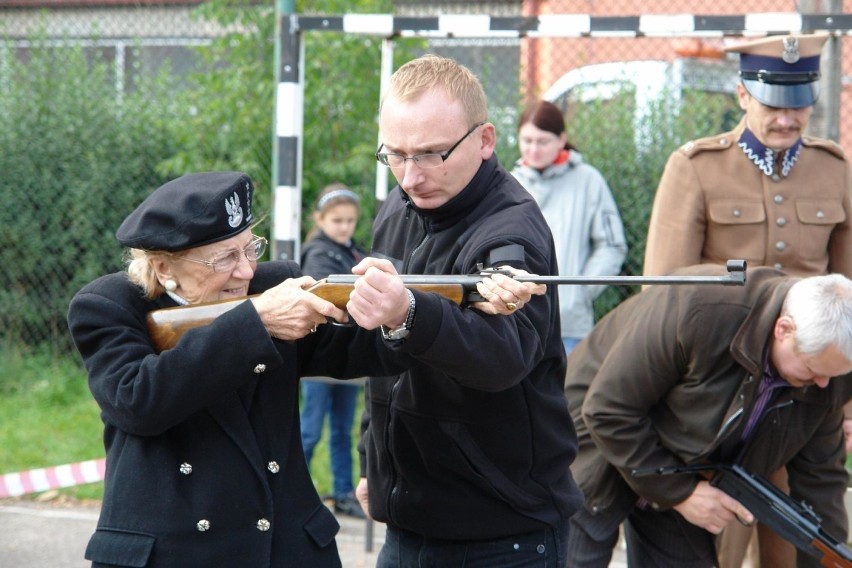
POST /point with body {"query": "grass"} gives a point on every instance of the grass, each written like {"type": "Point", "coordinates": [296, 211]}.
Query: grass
{"type": "Point", "coordinates": [48, 418]}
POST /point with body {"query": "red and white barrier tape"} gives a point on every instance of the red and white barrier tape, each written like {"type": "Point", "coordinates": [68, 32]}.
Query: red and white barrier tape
{"type": "Point", "coordinates": [42, 479]}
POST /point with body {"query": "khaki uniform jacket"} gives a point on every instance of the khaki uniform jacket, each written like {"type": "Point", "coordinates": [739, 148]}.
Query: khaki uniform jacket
{"type": "Point", "coordinates": [669, 378]}
{"type": "Point", "coordinates": [714, 204]}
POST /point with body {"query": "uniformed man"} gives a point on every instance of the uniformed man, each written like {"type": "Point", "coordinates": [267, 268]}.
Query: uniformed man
{"type": "Point", "coordinates": [765, 192]}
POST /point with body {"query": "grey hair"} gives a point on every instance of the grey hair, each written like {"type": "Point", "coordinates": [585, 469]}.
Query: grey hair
{"type": "Point", "coordinates": [821, 308]}
{"type": "Point", "coordinates": [141, 272]}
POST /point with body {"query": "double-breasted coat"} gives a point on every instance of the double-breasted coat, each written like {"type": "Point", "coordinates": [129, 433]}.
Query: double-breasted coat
{"type": "Point", "coordinates": [204, 458]}
{"type": "Point", "coordinates": [714, 203]}
{"type": "Point", "coordinates": [669, 377]}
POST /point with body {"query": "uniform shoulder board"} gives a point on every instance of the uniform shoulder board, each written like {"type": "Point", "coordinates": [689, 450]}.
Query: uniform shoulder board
{"type": "Point", "coordinates": [824, 144]}
{"type": "Point", "coordinates": [711, 143]}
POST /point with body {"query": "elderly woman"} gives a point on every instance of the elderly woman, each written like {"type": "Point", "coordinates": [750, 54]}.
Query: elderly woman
{"type": "Point", "coordinates": [204, 458]}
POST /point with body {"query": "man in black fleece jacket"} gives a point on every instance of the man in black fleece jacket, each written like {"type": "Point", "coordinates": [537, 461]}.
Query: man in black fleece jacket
{"type": "Point", "coordinates": [467, 454]}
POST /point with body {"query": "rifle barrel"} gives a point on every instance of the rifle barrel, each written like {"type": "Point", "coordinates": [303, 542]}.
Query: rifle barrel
{"type": "Point", "coordinates": [736, 277]}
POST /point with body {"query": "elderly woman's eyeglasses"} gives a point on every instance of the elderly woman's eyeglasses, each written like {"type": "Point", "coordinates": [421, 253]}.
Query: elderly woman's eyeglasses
{"type": "Point", "coordinates": [228, 261]}
{"type": "Point", "coordinates": [426, 160]}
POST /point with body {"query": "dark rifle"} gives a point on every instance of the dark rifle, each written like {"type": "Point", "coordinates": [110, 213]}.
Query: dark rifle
{"type": "Point", "coordinates": [792, 521]}
{"type": "Point", "coordinates": [166, 326]}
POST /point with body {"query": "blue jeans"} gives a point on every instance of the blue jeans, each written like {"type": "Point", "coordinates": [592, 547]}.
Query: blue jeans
{"type": "Point", "coordinates": [338, 402]}
{"type": "Point", "coordinates": [570, 343]}
{"type": "Point", "coordinates": [545, 548]}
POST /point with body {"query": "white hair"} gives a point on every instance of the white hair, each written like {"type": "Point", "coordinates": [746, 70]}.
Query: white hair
{"type": "Point", "coordinates": [821, 308]}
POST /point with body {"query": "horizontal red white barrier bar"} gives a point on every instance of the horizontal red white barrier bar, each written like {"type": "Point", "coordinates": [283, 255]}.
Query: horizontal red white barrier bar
{"type": "Point", "coordinates": [42, 479]}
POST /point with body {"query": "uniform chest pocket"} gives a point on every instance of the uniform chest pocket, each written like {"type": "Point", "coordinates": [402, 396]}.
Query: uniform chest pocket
{"type": "Point", "coordinates": [819, 212]}
{"type": "Point", "coordinates": [817, 219]}
{"type": "Point", "coordinates": [735, 212]}
{"type": "Point", "coordinates": [735, 229]}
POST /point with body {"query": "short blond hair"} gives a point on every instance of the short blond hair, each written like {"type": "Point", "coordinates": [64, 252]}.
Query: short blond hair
{"type": "Point", "coordinates": [141, 273]}
{"type": "Point", "coordinates": [428, 72]}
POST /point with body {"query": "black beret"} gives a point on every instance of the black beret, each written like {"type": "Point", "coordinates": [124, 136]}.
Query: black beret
{"type": "Point", "coordinates": [190, 211]}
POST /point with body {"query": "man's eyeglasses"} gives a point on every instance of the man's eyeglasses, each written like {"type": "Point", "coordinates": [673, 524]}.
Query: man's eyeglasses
{"type": "Point", "coordinates": [228, 261]}
{"type": "Point", "coordinates": [427, 160]}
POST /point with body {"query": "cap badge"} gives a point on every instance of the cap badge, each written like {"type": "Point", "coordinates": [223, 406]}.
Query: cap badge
{"type": "Point", "coordinates": [791, 50]}
{"type": "Point", "coordinates": [235, 212]}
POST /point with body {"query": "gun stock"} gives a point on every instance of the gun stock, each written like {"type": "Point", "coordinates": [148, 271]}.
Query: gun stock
{"type": "Point", "coordinates": [167, 326]}
{"type": "Point", "coordinates": [795, 522]}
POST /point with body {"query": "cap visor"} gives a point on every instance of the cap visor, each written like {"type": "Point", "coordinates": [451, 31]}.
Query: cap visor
{"type": "Point", "coordinates": [783, 96]}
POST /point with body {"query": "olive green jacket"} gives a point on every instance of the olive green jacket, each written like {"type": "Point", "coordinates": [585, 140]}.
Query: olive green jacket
{"type": "Point", "coordinates": [668, 377]}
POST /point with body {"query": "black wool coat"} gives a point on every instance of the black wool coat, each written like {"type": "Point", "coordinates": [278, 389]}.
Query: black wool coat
{"type": "Point", "coordinates": [204, 458]}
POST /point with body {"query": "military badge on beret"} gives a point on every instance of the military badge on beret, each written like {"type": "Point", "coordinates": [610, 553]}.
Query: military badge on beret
{"type": "Point", "coordinates": [190, 211]}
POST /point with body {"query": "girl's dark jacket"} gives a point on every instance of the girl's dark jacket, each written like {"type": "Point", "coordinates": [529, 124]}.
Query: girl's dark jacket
{"type": "Point", "coordinates": [475, 440]}
{"type": "Point", "coordinates": [322, 256]}
{"type": "Point", "coordinates": [204, 458]}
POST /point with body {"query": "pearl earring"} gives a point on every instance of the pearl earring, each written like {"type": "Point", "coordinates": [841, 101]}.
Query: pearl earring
{"type": "Point", "coordinates": [170, 285]}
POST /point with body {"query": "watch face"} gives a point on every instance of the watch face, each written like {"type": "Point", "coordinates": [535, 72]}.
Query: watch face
{"type": "Point", "coordinates": [396, 334]}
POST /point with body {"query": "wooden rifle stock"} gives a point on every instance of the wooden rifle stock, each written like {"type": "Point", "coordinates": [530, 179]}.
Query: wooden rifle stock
{"type": "Point", "coordinates": [795, 522]}
{"type": "Point", "coordinates": [166, 326]}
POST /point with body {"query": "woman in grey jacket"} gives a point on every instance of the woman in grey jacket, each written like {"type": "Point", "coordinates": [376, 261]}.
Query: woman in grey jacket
{"type": "Point", "coordinates": [579, 208]}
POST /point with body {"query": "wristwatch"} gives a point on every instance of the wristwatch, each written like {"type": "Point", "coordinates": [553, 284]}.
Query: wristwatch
{"type": "Point", "coordinates": [402, 331]}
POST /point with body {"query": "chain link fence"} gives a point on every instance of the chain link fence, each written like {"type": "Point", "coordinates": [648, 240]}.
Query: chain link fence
{"type": "Point", "coordinates": [100, 105]}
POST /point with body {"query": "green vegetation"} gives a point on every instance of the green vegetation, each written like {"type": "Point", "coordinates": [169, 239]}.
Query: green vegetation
{"type": "Point", "coordinates": [631, 153]}
{"type": "Point", "coordinates": [49, 417]}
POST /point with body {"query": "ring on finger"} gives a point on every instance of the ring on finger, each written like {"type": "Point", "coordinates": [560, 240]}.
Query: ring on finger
{"type": "Point", "coordinates": [512, 306]}
{"type": "Point", "coordinates": [313, 329]}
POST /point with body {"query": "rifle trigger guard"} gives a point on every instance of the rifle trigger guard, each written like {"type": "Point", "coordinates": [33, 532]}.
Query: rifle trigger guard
{"type": "Point", "coordinates": [336, 323]}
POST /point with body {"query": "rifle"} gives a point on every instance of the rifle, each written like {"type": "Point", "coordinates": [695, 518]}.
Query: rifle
{"type": "Point", "coordinates": [167, 325]}
{"type": "Point", "coordinates": [795, 522]}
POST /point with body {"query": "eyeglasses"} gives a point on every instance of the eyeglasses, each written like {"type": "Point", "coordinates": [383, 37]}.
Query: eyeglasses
{"type": "Point", "coordinates": [426, 160]}
{"type": "Point", "coordinates": [229, 261]}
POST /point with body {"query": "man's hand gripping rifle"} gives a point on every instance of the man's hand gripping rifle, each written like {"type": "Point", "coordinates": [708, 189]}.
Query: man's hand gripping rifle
{"type": "Point", "coordinates": [166, 326]}
{"type": "Point", "coordinates": [792, 521]}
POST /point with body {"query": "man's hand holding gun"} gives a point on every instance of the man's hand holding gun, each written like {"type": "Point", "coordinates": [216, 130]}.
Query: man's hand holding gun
{"type": "Point", "coordinates": [755, 498]}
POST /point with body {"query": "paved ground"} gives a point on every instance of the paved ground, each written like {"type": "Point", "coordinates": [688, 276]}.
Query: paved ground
{"type": "Point", "coordinates": [53, 534]}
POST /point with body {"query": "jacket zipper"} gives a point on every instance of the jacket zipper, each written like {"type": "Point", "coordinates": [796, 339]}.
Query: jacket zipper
{"type": "Point", "coordinates": [394, 493]}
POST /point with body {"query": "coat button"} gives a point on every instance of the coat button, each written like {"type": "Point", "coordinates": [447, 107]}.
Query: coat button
{"type": "Point", "coordinates": [781, 221]}
{"type": "Point", "coordinates": [203, 525]}
{"type": "Point", "coordinates": [263, 525]}
{"type": "Point", "coordinates": [260, 368]}
{"type": "Point", "coordinates": [737, 213]}
{"type": "Point", "coordinates": [778, 266]}
{"type": "Point", "coordinates": [778, 199]}
{"type": "Point", "coordinates": [273, 466]}
{"type": "Point", "coordinates": [186, 468]}
{"type": "Point", "coordinates": [820, 215]}
{"type": "Point", "coordinates": [780, 246]}
{"type": "Point", "coordinates": [776, 177]}
{"type": "Point", "coordinates": [723, 142]}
